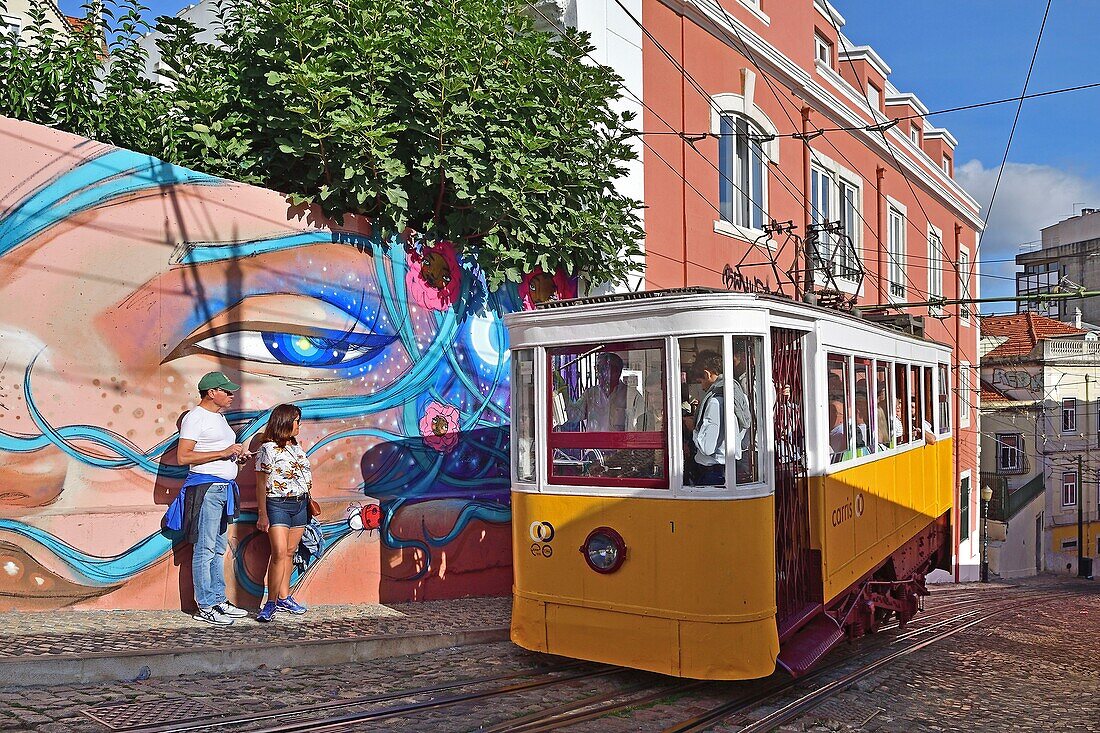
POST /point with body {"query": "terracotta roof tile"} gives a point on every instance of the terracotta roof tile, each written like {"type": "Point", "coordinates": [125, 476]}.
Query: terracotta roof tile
{"type": "Point", "coordinates": [989, 393]}
{"type": "Point", "coordinates": [1023, 331]}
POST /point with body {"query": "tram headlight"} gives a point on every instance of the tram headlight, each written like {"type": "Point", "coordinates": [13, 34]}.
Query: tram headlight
{"type": "Point", "coordinates": [604, 550]}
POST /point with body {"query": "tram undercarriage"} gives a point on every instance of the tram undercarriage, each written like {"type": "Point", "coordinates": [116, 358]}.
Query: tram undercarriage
{"type": "Point", "coordinates": [894, 588]}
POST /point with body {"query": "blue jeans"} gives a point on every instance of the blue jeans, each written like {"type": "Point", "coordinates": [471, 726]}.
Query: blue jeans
{"type": "Point", "coordinates": [208, 560]}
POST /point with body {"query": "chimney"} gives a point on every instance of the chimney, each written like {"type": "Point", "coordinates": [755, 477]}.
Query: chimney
{"type": "Point", "coordinates": [1076, 317]}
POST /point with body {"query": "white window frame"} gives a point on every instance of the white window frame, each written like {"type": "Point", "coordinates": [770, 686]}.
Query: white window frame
{"type": "Point", "coordinates": [836, 178]}
{"type": "Point", "coordinates": [968, 526]}
{"type": "Point", "coordinates": [1003, 448]}
{"type": "Point", "coordinates": [10, 24]}
{"type": "Point", "coordinates": [1069, 413]}
{"type": "Point", "coordinates": [823, 50]}
{"type": "Point", "coordinates": [964, 285]}
{"type": "Point", "coordinates": [895, 249]}
{"type": "Point", "coordinates": [935, 267]}
{"type": "Point", "coordinates": [737, 105]}
{"type": "Point", "coordinates": [964, 394]}
{"type": "Point", "coordinates": [874, 96]}
{"type": "Point", "coordinates": [1069, 484]}
{"type": "Point", "coordinates": [915, 133]}
{"type": "Point", "coordinates": [946, 165]}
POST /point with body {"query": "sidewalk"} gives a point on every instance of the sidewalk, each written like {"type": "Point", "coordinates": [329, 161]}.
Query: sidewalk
{"type": "Point", "coordinates": [67, 647]}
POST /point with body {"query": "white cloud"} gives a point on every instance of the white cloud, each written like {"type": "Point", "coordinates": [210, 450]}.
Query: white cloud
{"type": "Point", "coordinates": [1029, 198]}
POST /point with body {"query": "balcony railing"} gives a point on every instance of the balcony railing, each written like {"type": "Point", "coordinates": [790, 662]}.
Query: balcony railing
{"type": "Point", "coordinates": [1068, 349]}
{"type": "Point", "coordinates": [1020, 466]}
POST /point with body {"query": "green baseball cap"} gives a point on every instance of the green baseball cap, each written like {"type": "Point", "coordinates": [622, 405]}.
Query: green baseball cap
{"type": "Point", "coordinates": [217, 380]}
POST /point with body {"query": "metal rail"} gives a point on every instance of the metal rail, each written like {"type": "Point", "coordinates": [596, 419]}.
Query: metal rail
{"type": "Point", "coordinates": [711, 717]}
{"type": "Point", "coordinates": [208, 722]}
{"type": "Point", "coordinates": [351, 721]}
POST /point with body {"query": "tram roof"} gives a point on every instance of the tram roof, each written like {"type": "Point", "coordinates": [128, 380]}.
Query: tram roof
{"type": "Point", "coordinates": [669, 296]}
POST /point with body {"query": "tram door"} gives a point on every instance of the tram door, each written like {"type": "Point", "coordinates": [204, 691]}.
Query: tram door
{"type": "Point", "coordinates": [794, 559]}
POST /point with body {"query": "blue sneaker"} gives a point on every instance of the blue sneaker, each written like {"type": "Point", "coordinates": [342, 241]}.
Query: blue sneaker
{"type": "Point", "coordinates": [267, 612]}
{"type": "Point", "coordinates": [289, 604]}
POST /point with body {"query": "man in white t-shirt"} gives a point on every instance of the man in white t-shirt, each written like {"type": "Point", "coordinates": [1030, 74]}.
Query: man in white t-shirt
{"type": "Point", "coordinates": [209, 446]}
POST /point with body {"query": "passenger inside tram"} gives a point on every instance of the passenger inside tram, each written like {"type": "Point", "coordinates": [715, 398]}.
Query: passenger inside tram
{"type": "Point", "coordinates": [708, 428]}
{"type": "Point", "coordinates": [610, 404]}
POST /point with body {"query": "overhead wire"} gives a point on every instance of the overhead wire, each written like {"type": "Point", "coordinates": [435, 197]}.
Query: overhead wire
{"type": "Point", "coordinates": [1012, 131]}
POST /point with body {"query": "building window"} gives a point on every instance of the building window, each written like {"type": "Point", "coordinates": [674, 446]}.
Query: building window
{"type": "Point", "coordinates": [1069, 415]}
{"type": "Point", "coordinates": [832, 199]}
{"type": "Point", "coordinates": [823, 50]}
{"type": "Point", "coordinates": [742, 179]}
{"type": "Point", "coordinates": [874, 96]}
{"type": "Point", "coordinates": [1069, 488]}
{"type": "Point", "coordinates": [914, 133]}
{"type": "Point", "coordinates": [9, 25]}
{"type": "Point", "coordinates": [895, 243]}
{"type": "Point", "coordinates": [935, 269]}
{"type": "Point", "coordinates": [847, 263]}
{"type": "Point", "coordinates": [1010, 452]}
{"type": "Point", "coordinates": [1039, 278]}
{"type": "Point", "coordinates": [947, 165]}
{"type": "Point", "coordinates": [964, 508]}
{"type": "Point", "coordinates": [964, 394]}
{"type": "Point", "coordinates": [964, 285]}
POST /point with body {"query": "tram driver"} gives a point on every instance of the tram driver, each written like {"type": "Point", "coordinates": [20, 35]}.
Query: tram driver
{"type": "Point", "coordinates": [610, 404]}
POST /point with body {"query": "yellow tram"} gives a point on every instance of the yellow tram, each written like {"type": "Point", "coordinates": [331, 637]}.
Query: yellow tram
{"type": "Point", "coordinates": [708, 484]}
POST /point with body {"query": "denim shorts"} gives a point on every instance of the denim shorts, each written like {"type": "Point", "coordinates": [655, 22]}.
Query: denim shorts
{"type": "Point", "coordinates": [288, 512]}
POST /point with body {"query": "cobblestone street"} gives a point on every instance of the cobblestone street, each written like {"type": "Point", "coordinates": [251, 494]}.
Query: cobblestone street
{"type": "Point", "coordinates": [1033, 668]}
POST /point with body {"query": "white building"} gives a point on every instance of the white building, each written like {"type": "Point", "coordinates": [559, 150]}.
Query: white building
{"type": "Point", "coordinates": [15, 17]}
{"type": "Point", "coordinates": [1040, 380]}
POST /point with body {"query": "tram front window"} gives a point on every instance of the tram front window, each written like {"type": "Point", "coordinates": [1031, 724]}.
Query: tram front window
{"type": "Point", "coordinates": [608, 422]}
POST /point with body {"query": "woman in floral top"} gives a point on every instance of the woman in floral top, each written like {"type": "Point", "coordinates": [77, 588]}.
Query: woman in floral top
{"type": "Point", "coordinates": [282, 469]}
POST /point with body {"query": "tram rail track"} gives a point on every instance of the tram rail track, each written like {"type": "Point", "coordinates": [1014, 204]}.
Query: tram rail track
{"type": "Point", "coordinates": [815, 697]}
{"type": "Point", "coordinates": [961, 614]}
{"type": "Point", "coordinates": [571, 670]}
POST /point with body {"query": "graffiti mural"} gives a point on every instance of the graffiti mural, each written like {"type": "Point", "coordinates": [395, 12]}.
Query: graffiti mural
{"type": "Point", "coordinates": [124, 279]}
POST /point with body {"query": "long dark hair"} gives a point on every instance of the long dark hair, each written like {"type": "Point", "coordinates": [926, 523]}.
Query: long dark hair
{"type": "Point", "coordinates": [280, 426]}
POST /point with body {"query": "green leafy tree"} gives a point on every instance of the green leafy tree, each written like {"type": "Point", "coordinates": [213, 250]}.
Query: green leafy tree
{"type": "Point", "coordinates": [457, 118]}
{"type": "Point", "coordinates": [87, 79]}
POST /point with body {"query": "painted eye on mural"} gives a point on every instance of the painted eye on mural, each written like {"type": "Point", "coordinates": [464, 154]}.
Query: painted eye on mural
{"type": "Point", "coordinates": [293, 330]}
{"type": "Point", "coordinates": [298, 349]}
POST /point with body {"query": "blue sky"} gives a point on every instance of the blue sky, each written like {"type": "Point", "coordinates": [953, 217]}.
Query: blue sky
{"type": "Point", "coordinates": [956, 53]}
{"type": "Point", "coordinates": [952, 53]}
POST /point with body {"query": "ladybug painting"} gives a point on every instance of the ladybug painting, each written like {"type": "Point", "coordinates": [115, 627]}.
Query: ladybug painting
{"type": "Point", "coordinates": [364, 516]}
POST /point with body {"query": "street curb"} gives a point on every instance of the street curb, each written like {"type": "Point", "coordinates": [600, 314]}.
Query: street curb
{"type": "Point", "coordinates": [65, 669]}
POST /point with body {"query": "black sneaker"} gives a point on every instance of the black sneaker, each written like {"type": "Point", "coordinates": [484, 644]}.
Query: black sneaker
{"type": "Point", "coordinates": [228, 609]}
{"type": "Point", "coordinates": [212, 616]}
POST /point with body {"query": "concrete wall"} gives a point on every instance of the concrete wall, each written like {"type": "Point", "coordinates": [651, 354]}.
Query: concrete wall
{"type": "Point", "coordinates": [125, 279]}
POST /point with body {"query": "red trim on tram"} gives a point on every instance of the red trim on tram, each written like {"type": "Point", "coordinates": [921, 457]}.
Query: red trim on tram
{"type": "Point", "coordinates": [612, 440]}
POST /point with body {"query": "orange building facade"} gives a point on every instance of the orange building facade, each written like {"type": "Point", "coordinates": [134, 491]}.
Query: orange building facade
{"type": "Point", "coordinates": [743, 161]}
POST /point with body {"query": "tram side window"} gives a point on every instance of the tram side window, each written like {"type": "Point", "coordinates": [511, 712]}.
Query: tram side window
{"type": "Point", "coordinates": [746, 394]}
{"type": "Point", "coordinates": [929, 402]}
{"type": "Point", "coordinates": [917, 404]}
{"type": "Point", "coordinates": [901, 403]}
{"type": "Point", "coordinates": [944, 400]}
{"type": "Point", "coordinates": [864, 434]}
{"type": "Point", "coordinates": [702, 402]}
{"type": "Point", "coordinates": [523, 413]}
{"type": "Point", "coordinates": [608, 423]}
{"type": "Point", "coordinates": [885, 419]}
{"type": "Point", "coordinates": [839, 421]}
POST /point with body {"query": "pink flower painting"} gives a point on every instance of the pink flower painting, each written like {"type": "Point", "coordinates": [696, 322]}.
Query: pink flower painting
{"type": "Point", "coordinates": [434, 278]}
{"type": "Point", "coordinates": [538, 287]}
{"type": "Point", "coordinates": [439, 427]}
